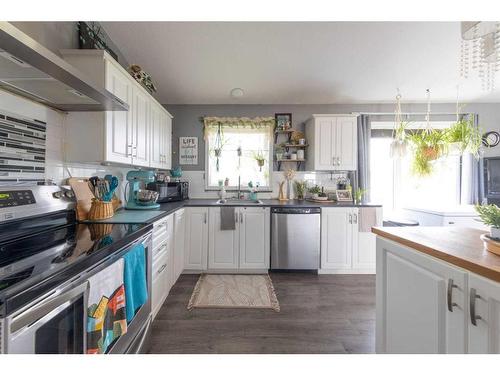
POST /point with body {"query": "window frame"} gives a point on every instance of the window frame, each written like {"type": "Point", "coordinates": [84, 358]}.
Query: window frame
{"type": "Point", "coordinates": [244, 188]}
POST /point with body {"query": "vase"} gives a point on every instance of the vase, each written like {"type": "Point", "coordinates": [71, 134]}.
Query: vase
{"type": "Point", "coordinates": [495, 233]}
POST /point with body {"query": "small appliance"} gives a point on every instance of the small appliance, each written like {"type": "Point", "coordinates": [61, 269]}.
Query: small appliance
{"type": "Point", "coordinates": [170, 191]}
{"type": "Point", "coordinates": [140, 199]}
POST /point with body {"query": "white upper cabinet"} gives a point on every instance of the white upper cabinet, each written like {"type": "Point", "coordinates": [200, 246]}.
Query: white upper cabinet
{"type": "Point", "coordinates": [141, 136]}
{"type": "Point", "coordinates": [332, 142]}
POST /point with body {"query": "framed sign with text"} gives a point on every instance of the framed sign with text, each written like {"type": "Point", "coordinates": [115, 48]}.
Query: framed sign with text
{"type": "Point", "coordinates": [188, 150]}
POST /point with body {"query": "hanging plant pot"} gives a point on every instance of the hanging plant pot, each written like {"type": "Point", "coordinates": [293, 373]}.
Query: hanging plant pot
{"type": "Point", "coordinates": [398, 149]}
{"type": "Point", "coordinates": [431, 152]}
{"type": "Point", "coordinates": [260, 163]}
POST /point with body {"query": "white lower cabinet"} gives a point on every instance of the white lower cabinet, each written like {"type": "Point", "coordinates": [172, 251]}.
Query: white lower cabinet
{"type": "Point", "coordinates": [484, 315]}
{"type": "Point", "coordinates": [247, 247]}
{"type": "Point", "coordinates": [345, 247]}
{"type": "Point", "coordinates": [196, 239]}
{"type": "Point", "coordinates": [421, 302]}
{"type": "Point", "coordinates": [255, 238]}
{"type": "Point", "coordinates": [179, 242]}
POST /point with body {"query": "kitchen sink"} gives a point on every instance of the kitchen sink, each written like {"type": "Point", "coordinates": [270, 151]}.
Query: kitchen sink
{"type": "Point", "coordinates": [239, 202]}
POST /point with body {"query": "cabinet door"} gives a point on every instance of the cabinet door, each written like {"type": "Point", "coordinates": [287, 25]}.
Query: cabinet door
{"type": "Point", "coordinates": [196, 240]}
{"type": "Point", "coordinates": [222, 244]}
{"type": "Point", "coordinates": [336, 238]}
{"type": "Point", "coordinates": [140, 126]}
{"type": "Point", "coordinates": [160, 287]}
{"type": "Point", "coordinates": [118, 123]}
{"type": "Point", "coordinates": [179, 241]}
{"type": "Point", "coordinates": [346, 145]}
{"type": "Point", "coordinates": [421, 302]}
{"type": "Point", "coordinates": [484, 331]}
{"type": "Point", "coordinates": [325, 141]}
{"type": "Point", "coordinates": [156, 136]}
{"type": "Point", "coordinates": [255, 243]}
{"type": "Point", "coordinates": [364, 243]}
{"type": "Point", "coordinates": [167, 143]}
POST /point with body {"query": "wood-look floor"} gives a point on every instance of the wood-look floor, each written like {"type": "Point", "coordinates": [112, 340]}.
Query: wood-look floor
{"type": "Point", "coordinates": [319, 314]}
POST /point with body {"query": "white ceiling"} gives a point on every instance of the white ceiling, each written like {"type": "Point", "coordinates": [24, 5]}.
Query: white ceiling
{"type": "Point", "coordinates": [299, 62]}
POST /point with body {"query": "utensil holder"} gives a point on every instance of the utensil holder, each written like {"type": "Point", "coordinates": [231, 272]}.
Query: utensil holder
{"type": "Point", "coordinates": [100, 210]}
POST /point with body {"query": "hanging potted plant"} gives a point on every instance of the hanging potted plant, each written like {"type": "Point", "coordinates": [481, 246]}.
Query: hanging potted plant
{"type": "Point", "coordinates": [218, 145]}
{"type": "Point", "coordinates": [259, 157]}
{"type": "Point", "coordinates": [398, 146]}
{"type": "Point", "coordinates": [462, 137]}
{"type": "Point", "coordinates": [428, 145]}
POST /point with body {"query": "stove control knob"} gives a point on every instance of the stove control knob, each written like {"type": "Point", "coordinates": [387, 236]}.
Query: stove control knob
{"type": "Point", "coordinates": [57, 194]}
{"type": "Point", "coordinates": [69, 194]}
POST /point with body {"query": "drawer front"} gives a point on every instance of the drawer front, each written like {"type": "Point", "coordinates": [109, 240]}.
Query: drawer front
{"type": "Point", "coordinates": [158, 255]}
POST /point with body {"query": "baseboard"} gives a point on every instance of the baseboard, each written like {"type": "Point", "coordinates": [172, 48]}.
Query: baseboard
{"type": "Point", "coordinates": [346, 272]}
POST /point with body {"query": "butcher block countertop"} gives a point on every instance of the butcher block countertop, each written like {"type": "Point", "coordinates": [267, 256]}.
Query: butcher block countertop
{"type": "Point", "coordinates": [461, 247]}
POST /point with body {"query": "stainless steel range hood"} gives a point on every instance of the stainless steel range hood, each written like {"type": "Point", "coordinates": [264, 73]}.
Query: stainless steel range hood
{"type": "Point", "coordinates": [29, 69]}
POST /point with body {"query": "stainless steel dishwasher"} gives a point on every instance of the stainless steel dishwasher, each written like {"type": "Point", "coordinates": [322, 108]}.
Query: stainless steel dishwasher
{"type": "Point", "coordinates": [295, 238]}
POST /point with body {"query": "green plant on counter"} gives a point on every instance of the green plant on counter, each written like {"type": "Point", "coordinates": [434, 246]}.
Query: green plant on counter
{"type": "Point", "coordinates": [301, 187]}
{"type": "Point", "coordinates": [428, 145]}
{"type": "Point", "coordinates": [466, 136]}
{"type": "Point", "coordinates": [489, 215]}
{"type": "Point", "coordinates": [359, 193]}
{"type": "Point", "coordinates": [316, 189]}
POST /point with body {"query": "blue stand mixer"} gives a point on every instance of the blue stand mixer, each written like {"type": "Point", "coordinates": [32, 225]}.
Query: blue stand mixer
{"type": "Point", "coordinates": [140, 199]}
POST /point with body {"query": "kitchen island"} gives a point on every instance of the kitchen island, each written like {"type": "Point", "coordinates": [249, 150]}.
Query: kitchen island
{"type": "Point", "coordinates": [438, 291]}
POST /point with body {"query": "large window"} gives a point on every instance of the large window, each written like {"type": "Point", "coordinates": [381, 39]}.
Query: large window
{"type": "Point", "coordinates": [237, 158]}
{"type": "Point", "coordinates": [393, 184]}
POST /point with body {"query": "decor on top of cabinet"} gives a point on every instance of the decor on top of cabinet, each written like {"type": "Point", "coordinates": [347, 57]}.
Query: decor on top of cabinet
{"type": "Point", "coordinates": [92, 36]}
{"type": "Point", "coordinates": [283, 121]}
{"type": "Point", "coordinates": [142, 77]}
{"type": "Point", "coordinates": [301, 187]}
{"type": "Point", "coordinates": [176, 172]}
{"type": "Point", "coordinates": [490, 215]}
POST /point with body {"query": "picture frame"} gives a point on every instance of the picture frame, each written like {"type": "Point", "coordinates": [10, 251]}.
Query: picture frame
{"type": "Point", "coordinates": [344, 195]}
{"type": "Point", "coordinates": [283, 121]}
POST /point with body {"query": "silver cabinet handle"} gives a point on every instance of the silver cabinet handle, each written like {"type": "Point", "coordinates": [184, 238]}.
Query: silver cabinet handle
{"type": "Point", "coordinates": [338, 160]}
{"type": "Point", "coordinates": [205, 218]}
{"type": "Point", "coordinates": [134, 148]}
{"type": "Point", "coordinates": [162, 268]}
{"type": "Point", "coordinates": [236, 217]}
{"type": "Point", "coordinates": [472, 300]}
{"type": "Point", "coordinates": [127, 153]}
{"type": "Point", "coordinates": [449, 299]}
{"type": "Point", "coordinates": [355, 218]}
{"type": "Point", "coordinates": [350, 218]}
{"type": "Point", "coordinates": [241, 217]}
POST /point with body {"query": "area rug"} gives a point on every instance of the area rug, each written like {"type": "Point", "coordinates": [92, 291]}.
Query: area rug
{"type": "Point", "coordinates": [234, 291]}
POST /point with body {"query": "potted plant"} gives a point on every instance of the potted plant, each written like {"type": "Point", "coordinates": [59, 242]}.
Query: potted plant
{"type": "Point", "coordinates": [399, 144]}
{"type": "Point", "coordinates": [490, 215]}
{"type": "Point", "coordinates": [428, 145]}
{"type": "Point", "coordinates": [315, 191]}
{"type": "Point", "coordinates": [278, 150]}
{"type": "Point", "coordinates": [261, 160]}
{"type": "Point", "coordinates": [301, 187]}
{"type": "Point", "coordinates": [463, 136]}
{"type": "Point", "coordinates": [358, 195]}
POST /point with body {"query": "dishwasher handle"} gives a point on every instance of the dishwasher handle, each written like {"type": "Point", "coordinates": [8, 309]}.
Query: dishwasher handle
{"type": "Point", "coordinates": [296, 210]}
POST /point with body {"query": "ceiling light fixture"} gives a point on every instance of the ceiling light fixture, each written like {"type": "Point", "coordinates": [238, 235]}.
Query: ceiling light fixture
{"type": "Point", "coordinates": [237, 92]}
{"type": "Point", "coordinates": [480, 51]}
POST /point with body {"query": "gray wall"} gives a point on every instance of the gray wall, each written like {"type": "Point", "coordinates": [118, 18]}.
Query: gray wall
{"type": "Point", "coordinates": [59, 35]}
{"type": "Point", "coordinates": [187, 118]}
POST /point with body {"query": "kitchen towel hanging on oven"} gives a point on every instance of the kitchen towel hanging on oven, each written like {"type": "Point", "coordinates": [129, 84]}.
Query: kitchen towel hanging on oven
{"type": "Point", "coordinates": [136, 287]}
{"type": "Point", "coordinates": [106, 315]}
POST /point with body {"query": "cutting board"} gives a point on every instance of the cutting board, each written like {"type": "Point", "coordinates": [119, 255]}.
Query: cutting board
{"type": "Point", "coordinates": [129, 217]}
{"type": "Point", "coordinates": [83, 196]}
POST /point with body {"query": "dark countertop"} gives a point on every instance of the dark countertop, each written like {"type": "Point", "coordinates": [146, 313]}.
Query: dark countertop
{"type": "Point", "coordinates": [79, 247]}
{"type": "Point", "coordinates": [171, 207]}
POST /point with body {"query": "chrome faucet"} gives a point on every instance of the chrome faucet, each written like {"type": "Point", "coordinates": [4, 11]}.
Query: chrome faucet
{"type": "Point", "coordinates": [239, 187]}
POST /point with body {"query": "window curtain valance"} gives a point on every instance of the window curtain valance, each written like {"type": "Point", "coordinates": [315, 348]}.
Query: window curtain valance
{"type": "Point", "coordinates": [213, 123]}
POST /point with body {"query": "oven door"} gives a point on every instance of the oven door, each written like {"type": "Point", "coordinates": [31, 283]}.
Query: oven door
{"type": "Point", "coordinates": [53, 325]}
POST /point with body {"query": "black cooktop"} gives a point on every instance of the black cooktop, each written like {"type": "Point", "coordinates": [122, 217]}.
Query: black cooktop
{"type": "Point", "coordinates": [39, 253]}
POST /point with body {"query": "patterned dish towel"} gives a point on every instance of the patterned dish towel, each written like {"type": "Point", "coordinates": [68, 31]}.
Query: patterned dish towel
{"type": "Point", "coordinates": [106, 315]}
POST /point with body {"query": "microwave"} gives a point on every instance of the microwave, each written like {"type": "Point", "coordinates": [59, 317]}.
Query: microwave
{"type": "Point", "coordinates": [170, 191]}
{"type": "Point", "coordinates": [492, 180]}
